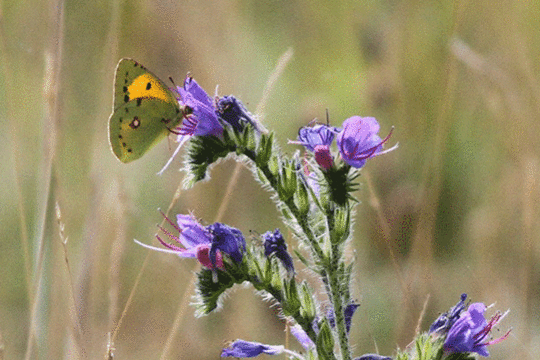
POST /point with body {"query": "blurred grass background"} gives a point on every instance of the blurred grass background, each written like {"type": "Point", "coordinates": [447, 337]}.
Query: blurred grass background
{"type": "Point", "coordinates": [455, 209]}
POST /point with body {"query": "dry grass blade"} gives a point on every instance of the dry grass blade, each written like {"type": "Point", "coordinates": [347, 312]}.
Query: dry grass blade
{"type": "Point", "coordinates": [74, 315]}
{"type": "Point", "coordinates": [14, 138]}
{"type": "Point", "coordinates": [141, 271]}
{"type": "Point", "coordinates": [278, 71]}
{"type": "Point", "coordinates": [51, 88]}
{"type": "Point", "coordinates": [422, 314]}
{"type": "Point", "coordinates": [109, 355]}
{"type": "Point", "coordinates": [2, 347]}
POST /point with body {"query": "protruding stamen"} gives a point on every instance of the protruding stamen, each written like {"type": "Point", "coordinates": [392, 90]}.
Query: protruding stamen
{"type": "Point", "coordinates": [169, 246]}
{"type": "Point", "coordinates": [170, 222]}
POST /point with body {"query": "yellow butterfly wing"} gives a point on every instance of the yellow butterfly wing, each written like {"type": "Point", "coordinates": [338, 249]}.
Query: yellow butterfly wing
{"type": "Point", "coordinates": [144, 110]}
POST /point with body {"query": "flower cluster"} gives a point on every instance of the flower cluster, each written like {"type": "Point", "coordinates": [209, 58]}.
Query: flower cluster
{"type": "Point", "coordinates": [465, 329]}
{"type": "Point", "coordinates": [316, 207]}
{"type": "Point", "coordinates": [206, 244]}
{"type": "Point", "coordinates": [357, 141]}
{"type": "Point", "coordinates": [207, 116]}
{"type": "Point", "coordinates": [470, 332]}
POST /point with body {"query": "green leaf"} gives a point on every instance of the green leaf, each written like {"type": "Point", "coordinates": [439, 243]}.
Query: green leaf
{"type": "Point", "coordinates": [301, 198]}
{"type": "Point", "coordinates": [325, 341]}
{"type": "Point", "coordinates": [212, 284]}
{"type": "Point", "coordinates": [308, 304]}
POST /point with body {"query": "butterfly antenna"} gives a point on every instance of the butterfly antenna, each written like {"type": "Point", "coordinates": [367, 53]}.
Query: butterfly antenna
{"type": "Point", "coordinates": [172, 81]}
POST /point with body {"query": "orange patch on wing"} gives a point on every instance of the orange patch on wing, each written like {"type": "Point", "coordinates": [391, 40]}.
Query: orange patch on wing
{"type": "Point", "coordinates": [147, 86]}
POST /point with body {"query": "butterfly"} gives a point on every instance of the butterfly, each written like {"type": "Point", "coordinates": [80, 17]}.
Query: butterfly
{"type": "Point", "coordinates": [144, 112]}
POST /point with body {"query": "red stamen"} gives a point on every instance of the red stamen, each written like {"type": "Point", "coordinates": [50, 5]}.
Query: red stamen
{"type": "Point", "coordinates": [169, 246]}
{"type": "Point", "coordinates": [369, 152]}
{"type": "Point", "coordinates": [496, 341]}
{"type": "Point", "coordinates": [170, 222]}
{"type": "Point", "coordinates": [189, 126]}
{"type": "Point", "coordinates": [171, 236]}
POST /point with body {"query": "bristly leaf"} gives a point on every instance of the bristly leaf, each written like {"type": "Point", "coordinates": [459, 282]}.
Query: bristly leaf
{"type": "Point", "coordinates": [308, 299]}
{"type": "Point", "coordinates": [341, 224]}
{"type": "Point", "coordinates": [325, 341]}
{"type": "Point", "coordinates": [211, 284]}
{"type": "Point", "coordinates": [265, 149]}
{"type": "Point", "coordinates": [203, 151]}
{"type": "Point", "coordinates": [301, 198]}
{"type": "Point", "coordinates": [341, 184]}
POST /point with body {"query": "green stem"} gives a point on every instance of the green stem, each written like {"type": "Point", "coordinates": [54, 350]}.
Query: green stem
{"type": "Point", "coordinates": [301, 220]}
{"type": "Point", "coordinates": [331, 270]}
{"type": "Point", "coordinates": [335, 287]}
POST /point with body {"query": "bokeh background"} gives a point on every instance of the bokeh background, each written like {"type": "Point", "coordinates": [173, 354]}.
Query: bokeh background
{"type": "Point", "coordinates": [455, 209]}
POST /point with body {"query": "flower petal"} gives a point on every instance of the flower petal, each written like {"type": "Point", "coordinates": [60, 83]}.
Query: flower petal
{"type": "Point", "coordinates": [359, 140]}
{"type": "Point", "coordinates": [228, 240]}
{"type": "Point", "coordinates": [192, 232]}
{"type": "Point", "coordinates": [302, 337]}
{"type": "Point", "coordinates": [248, 349]}
{"type": "Point", "coordinates": [275, 245]}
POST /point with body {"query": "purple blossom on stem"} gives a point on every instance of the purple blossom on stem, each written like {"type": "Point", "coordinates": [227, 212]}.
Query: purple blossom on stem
{"type": "Point", "coordinates": [248, 349]}
{"type": "Point", "coordinates": [347, 313]}
{"type": "Point", "coordinates": [318, 139]}
{"type": "Point", "coordinates": [311, 136]}
{"type": "Point", "coordinates": [302, 337]}
{"type": "Point", "coordinates": [358, 141]}
{"type": "Point", "coordinates": [445, 321]}
{"type": "Point", "coordinates": [373, 357]}
{"type": "Point", "coordinates": [275, 245]}
{"type": "Point", "coordinates": [202, 243]}
{"type": "Point", "coordinates": [470, 332]}
{"type": "Point", "coordinates": [228, 240]}
{"type": "Point", "coordinates": [232, 111]}
{"type": "Point", "coordinates": [203, 120]}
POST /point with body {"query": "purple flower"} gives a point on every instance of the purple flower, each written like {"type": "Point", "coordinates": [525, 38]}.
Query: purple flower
{"type": "Point", "coordinates": [358, 141]}
{"type": "Point", "coordinates": [228, 240]}
{"type": "Point", "coordinates": [311, 136]}
{"type": "Point", "coordinates": [203, 121]}
{"type": "Point", "coordinates": [248, 349]}
{"type": "Point", "coordinates": [445, 321]}
{"type": "Point", "coordinates": [470, 332]}
{"type": "Point", "coordinates": [232, 111]}
{"type": "Point", "coordinates": [318, 139]}
{"type": "Point", "coordinates": [202, 243]}
{"type": "Point", "coordinates": [275, 245]}
{"type": "Point", "coordinates": [373, 357]}
{"type": "Point", "coordinates": [348, 313]}
{"type": "Point", "coordinates": [302, 337]}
